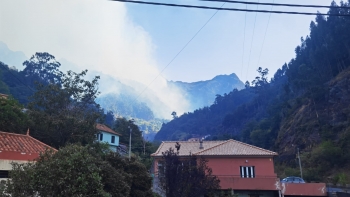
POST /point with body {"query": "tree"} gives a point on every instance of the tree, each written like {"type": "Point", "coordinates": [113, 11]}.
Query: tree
{"type": "Point", "coordinates": [72, 171]}
{"type": "Point", "coordinates": [262, 79]}
{"type": "Point", "coordinates": [79, 171]}
{"type": "Point", "coordinates": [66, 112]}
{"type": "Point", "coordinates": [247, 84]}
{"type": "Point", "coordinates": [44, 67]}
{"type": "Point", "coordinates": [174, 114]}
{"type": "Point", "coordinates": [186, 176]}
{"type": "Point", "coordinates": [12, 117]}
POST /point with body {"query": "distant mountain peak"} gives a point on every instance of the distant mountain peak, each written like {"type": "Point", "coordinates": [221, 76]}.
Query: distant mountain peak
{"type": "Point", "coordinates": [202, 93]}
{"type": "Point", "coordinates": [11, 58]}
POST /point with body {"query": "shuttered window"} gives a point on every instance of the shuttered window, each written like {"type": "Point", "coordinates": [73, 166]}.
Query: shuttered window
{"type": "Point", "coordinates": [247, 171]}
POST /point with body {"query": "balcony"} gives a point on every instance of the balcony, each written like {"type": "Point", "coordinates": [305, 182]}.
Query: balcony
{"type": "Point", "coordinates": [258, 183]}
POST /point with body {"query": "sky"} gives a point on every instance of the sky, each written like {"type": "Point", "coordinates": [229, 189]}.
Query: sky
{"type": "Point", "coordinates": [140, 42]}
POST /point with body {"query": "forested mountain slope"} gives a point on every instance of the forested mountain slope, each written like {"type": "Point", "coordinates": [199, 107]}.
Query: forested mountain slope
{"type": "Point", "coordinates": [305, 106]}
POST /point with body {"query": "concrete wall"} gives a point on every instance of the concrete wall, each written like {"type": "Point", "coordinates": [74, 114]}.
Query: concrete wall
{"type": "Point", "coordinates": [304, 189]}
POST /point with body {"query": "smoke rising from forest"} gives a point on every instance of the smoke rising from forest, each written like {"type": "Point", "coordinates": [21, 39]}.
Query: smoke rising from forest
{"type": "Point", "coordinates": [95, 35]}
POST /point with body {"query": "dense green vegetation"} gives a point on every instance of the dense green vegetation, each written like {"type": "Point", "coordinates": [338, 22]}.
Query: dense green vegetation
{"type": "Point", "coordinates": [79, 171]}
{"type": "Point", "coordinates": [305, 106]}
{"type": "Point", "coordinates": [61, 111]}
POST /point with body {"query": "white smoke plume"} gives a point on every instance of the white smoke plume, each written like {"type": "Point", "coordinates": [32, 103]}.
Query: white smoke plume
{"type": "Point", "coordinates": [96, 35]}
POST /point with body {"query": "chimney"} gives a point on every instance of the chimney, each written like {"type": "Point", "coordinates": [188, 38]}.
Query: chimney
{"type": "Point", "coordinates": [28, 131]}
{"type": "Point", "coordinates": [201, 144]}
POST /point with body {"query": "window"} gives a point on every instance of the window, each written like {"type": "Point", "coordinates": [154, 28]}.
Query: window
{"type": "Point", "coordinates": [113, 139]}
{"type": "Point", "coordinates": [4, 174]}
{"type": "Point", "coordinates": [101, 136]}
{"type": "Point", "coordinates": [247, 171]}
{"type": "Point", "coordinates": [161, 168]}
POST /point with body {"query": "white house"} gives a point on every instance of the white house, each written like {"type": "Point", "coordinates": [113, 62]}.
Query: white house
{"type": "Point", "coordinates": [107, 135]}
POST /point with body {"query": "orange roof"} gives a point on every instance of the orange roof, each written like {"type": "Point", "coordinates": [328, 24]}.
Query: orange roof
{"type": "Point", "coordinates": [214, 148]}
{"type": "Point", "coordinates": [4, 96]}
{"type": "Point", "coordinates": [12, 142]}
{"type": "Point", "coordinates": [104, 128]}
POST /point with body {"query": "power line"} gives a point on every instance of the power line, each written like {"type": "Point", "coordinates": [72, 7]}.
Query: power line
{"type": "Point", "coordinates": [245, 25]}
{"type": "Point", "coordinates": [275, 4]}
{"type": "Point", "coordinates": [251, 44]}
{"type": "Point", "coordinates": [179, 52]}
{"type": "Point", "coordinates": [262, 46]}
{"type": "Point", "coordinates": [227, 9]}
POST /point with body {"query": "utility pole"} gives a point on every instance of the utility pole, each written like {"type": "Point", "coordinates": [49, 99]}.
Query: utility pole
{"type": "Point", "coordinates": [301, 171]}
{"type": "Point", "coordinates": [130, 143]}
{"type": "Point", "coordinates": [130, 121]}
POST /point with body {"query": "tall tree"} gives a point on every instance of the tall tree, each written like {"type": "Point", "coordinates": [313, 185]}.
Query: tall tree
{"type": "Point", "coordinates": [66, 112]}
{"type": "Point", "coordinates": [43, 67]}
{"type": "Point", "coordinates": [186, 176]}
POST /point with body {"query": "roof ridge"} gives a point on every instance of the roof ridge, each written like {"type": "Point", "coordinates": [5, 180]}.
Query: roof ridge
{"type": "Point", "coordinates": [161, 145]}
{"type": "Point", "coordinates": [212, 147]}
{"type": "Point", "coordinates": [9, 133]}
{"type": "Point", "coordinates": [253, 146]}
{"type": "Point", "coordinates": [106, 129]}
{"type": "Point", "coordinates": [30, 137]}
{"type": "Point", "coordinates": [41, 142]}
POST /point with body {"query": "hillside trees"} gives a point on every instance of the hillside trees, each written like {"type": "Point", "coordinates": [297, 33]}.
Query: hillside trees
{"type": "Point", "coordinates": [15, 83]}
{"type": "Point", "coordinates": [66, 112]}
{"type": "Point", "coordinates": [139, 146]}
{"type": "Point", "coordinates": [12, 117]}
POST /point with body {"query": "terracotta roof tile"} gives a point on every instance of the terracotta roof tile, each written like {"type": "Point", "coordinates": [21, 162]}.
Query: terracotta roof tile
{"type": "Point", "coordinates": [215, 148]}
{"type": "Point", "coordinates": [12, 142]}
{"type": "Point", "coordinates": [104, 128]}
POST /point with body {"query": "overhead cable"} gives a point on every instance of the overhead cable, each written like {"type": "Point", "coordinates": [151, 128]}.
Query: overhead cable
{"type": "Point", "coordinates": [227, 9]}
{"type": "Point", "coordinates": [251, 44]}
{"type": "Point", "coordinates": [262, 46]}
{"type": "Point", "coordinates": [171, 61]}
{"type": "Point", "coordinates": [275, 4]}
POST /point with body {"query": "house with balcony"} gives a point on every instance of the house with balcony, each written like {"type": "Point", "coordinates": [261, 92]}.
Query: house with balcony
{"type": "Point", "coordinates": [243, 169]}
{"type": "Point", "coordinates": [107, 135]}
{"type": "Point", "coordinates": [18, 148]}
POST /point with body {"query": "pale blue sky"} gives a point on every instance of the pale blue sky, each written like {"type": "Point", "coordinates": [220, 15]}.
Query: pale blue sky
{"type": "Point", "coordinates": [218, 48]}
{"type": "Point", "coordinates": [135, 42]}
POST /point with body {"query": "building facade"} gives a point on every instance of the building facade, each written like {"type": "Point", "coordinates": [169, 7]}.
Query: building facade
{"type": "Point", "coordinates": [18, 148]}
{"type": "Point", "coordinates": [107, 135]}
{"type": "Point", "coordinates": [243, 169]}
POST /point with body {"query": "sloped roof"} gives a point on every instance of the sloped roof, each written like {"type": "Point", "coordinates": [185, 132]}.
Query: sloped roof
{"type": "Point", "coordinates": [104, 128]}
{"type": "Point", "coordinates": [215, 148]}
{"type": "Point", "coordinates": [12, 142]}
{"type": "Point", "coordinates": [4, 96]}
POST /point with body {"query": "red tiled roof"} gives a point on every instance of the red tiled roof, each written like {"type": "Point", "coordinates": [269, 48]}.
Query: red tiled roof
{"type": "Point", "coordinates": [104, 128]}
{"type": "Point", "coordinates": [12, 142]}
{"type": "Point", "coordinates": [215, 148]}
